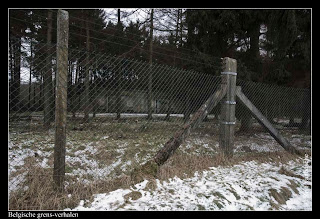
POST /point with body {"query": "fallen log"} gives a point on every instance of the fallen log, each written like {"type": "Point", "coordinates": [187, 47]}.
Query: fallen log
{"type": "Point", "coordinates": [180, 136]}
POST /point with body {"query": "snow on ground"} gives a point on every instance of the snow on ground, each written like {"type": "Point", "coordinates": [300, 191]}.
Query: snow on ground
{"type": "Point", "coordinates": [107, 150]}
{"type": "Point", "coordinates": [81, 156]}
{"type": "Point", "coordinates": [246, 186]}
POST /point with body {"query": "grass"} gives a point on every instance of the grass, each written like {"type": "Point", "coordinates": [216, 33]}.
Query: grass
{"type": "Point", "coordinates": [134, 195]}
{"type": "Point", "coordinates": [284, 171]}
{"type": "Point", "coordinates": [104, 156]}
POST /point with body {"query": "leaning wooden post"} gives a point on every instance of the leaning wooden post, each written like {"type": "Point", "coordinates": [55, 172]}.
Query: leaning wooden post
{"type": "Point", "coordinates": [61, 98]}
{"type": "Point", "coordinates": [179, 137]}
{"type": "Point", "coordinates": [265, 122]}
{"type": "Point", "coordinates": [227, 115]}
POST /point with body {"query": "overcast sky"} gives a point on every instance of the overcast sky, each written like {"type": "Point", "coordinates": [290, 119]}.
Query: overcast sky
{"type": "Point", "coordinates": [126, 14]}
{"type": "Point", "coordinates": [161, 20]}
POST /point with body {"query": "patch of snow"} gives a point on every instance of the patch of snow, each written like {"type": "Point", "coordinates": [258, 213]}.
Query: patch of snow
{"type": "Point", "coordinates": [241, 187]}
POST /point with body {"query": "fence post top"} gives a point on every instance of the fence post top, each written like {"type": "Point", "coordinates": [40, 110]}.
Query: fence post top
{"type": "Point", "coordinates": [229, 66]}
{"type": "Point", "coordinates": [63, 13]}
{"type": "Point", "coordinates": [229, 59]}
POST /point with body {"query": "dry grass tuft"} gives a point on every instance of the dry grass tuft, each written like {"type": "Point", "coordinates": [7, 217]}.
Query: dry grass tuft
{"type": "Point", "coordinates": [148, 171]}
{"type": "Point", "coordinates": [185, 165]}
{"type": "Point", "coordinates": [134, 195]}
{"type": "Point", "coordinates": [284, 171]}
{"type": "Point", "coordinates": [280, 196]}
{"type": "Point", "coordinates": [40, 192]}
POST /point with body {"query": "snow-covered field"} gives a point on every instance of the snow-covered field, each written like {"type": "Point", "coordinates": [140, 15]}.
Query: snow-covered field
{"type": "Point", "coordinates": [108, 150]}
{"type": "Point", "coordinates": [246, 186]}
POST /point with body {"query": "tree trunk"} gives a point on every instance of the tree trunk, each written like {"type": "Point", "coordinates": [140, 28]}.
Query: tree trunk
{"type": "Point", "coordinates": [118, 75]}
{"type": "Point", "coordinates": [191, 26]}
{"type": "Point", "coordinates": [87, 76]}
{"type": "Point", "coordinates": [246, 121]}
{"type": "Point", "coordinates": [48, 112]}
{"type": "Point", "coordinates": [174, 62]}
{"type": "Point", "coordinates": [118, 15]}
{"type": "Point", "coordinates": [150, 71]}
{"type": "Point", "coordinates": [306, 116]}
{"type": "Point", "coordinates": [118, 89]}
{"type": "Point", "coordinates": [187, 109]}
{"type": "Point", "coordinates": [181, 27]}
{"type": "Point", "coordinates": [254, 34]}
{"type": "Point", "coordinates": [16, 75]}
{"type": "Point", "coordinates": [75, 93]}
{"type": "Point", "coordinates": [30, 74]}
{"type": "Point", "coordinates": [254, 52]}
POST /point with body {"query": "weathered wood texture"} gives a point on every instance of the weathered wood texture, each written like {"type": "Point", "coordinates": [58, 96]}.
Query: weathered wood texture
{"type": "Point", "coordinates": [61, 97]}
{"type": "Point", "coordinates": [264, 122]}
{"type": "Point", "coordinates": [227, 115]}
{"type": "Point", "coordinates": [180, 136]}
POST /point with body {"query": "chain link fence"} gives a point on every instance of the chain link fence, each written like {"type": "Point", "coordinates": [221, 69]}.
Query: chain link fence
{"type": "Point", "coordinates": [111, 100]}
{"type": "Point", "coordinates": [285, 107]}
{"type": "Point", "coordinates": [120, 111]}
{"type": "Point", "coordinates": [102, 85]}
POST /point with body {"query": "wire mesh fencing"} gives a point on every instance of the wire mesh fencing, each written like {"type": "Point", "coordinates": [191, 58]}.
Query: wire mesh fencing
{"type": "Point", "coordinates": [119, 112]}
{"type": "Point", "coordinates": [115, 106]}
{"type": "Point", "coordinates": [108, 86]}
{"type": "Point", "coordinates": [285, 107]}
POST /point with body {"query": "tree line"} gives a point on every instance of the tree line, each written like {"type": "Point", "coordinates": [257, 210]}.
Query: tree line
{"type": "Point", "coordinates": [271, 46]}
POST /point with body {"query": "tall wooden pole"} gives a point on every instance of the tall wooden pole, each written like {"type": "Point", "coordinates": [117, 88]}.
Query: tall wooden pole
{"type": "Point", "coordinates": [227, 116]}
{"type": "Point", "coordinates": [61, 98]}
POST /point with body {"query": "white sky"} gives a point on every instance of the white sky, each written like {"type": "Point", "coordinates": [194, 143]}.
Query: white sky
{"type": "Point", "coordinates": [161, 21]}
{"type": "Point", "coordinates": [140, 14]}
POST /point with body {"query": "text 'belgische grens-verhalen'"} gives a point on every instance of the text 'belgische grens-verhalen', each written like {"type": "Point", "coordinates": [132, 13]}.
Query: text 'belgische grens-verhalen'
{"type": "Point", "coordinates": [39, 215]}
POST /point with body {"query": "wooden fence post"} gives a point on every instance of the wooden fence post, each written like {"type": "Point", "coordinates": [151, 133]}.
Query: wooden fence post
{"type": "Point", "coordinates": [227, 114]}
{"type": "Point", "coordinates": [61, 98]}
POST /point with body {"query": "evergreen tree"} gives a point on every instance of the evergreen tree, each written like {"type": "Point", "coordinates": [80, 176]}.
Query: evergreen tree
{"type": "Point", "coordinates": [289, 45]}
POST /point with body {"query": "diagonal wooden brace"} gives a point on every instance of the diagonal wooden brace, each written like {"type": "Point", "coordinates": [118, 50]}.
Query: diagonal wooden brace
{"type": "Point", "coordinates": [265, 122]}
{"type": "Point", "coordinates": [180, 136]}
